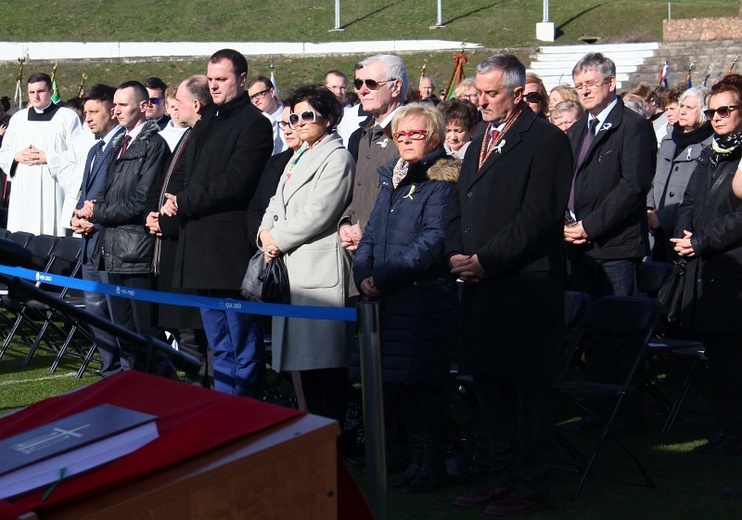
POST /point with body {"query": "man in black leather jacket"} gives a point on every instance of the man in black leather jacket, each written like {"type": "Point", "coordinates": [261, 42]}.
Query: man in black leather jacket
{"type": "Point", "coordinates": [134, 173]}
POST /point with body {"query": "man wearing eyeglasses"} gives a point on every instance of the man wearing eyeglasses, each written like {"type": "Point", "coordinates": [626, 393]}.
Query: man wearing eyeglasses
{"type": "Point", "coordinates": [613, 171]}
{"type": "Point", "coordinates": [606, 228]}
{"type": "Point", "coordinates": [382, 84]}
{"type": "Point", "coordinates": [263, 95]}
{"type": "Point", "coordinates": [226, 154]}
{"type": "Point", "coordinates": [156, 107]}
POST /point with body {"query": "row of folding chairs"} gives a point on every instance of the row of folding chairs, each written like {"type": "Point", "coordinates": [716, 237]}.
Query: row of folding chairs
{"type": "Point", "coordinates": [34, 325]}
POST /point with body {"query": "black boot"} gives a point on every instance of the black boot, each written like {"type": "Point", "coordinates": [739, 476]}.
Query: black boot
{"type": "Point", "coordinates": [416, 446]}
{"type": "Point", "coordinates": [432, 474]}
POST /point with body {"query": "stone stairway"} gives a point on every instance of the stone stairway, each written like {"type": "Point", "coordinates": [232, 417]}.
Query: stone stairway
{"type": "Point", "coordinates": [554, 63]}
{"type": "Point", "coordinates": [641, 62]}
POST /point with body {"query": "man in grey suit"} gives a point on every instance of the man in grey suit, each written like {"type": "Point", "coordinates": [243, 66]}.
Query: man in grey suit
{"type": "Point", "coordinates": [100, 118]}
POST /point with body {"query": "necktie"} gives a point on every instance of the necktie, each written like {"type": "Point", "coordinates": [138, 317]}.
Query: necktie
{"type": "Point", "coordinates": [125, 145]}
{"type": "Point", "coordinates": [587, 141]}
{"type": "Point", "coordinates": [97, 154]}
{"type": "Point", "coordinates": [488, 145]}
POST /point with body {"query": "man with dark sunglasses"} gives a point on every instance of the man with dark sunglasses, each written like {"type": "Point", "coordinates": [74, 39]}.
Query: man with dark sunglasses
{"type": "Point", "coordinates": [381, 84]}
{"type": "Point", "coordinates": [156, 108]}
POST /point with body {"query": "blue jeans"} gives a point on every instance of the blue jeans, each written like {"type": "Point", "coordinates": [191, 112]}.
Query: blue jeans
{"type": "Point", "coordinates": [239, 353]}
{"type": "Point", "coordinates": [604, 277]}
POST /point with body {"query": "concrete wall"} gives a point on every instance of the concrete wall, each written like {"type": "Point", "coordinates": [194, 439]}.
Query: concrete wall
{"type": "Point", "coordinates": [703, 29]}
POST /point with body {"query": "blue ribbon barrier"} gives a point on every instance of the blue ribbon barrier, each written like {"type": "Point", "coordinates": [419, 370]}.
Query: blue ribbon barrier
{"type": "Point", "coordinates": [224, 304]}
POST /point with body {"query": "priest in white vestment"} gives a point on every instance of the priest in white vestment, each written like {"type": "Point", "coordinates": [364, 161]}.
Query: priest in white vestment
{"type": "Point", "coordinates": [32, 155]}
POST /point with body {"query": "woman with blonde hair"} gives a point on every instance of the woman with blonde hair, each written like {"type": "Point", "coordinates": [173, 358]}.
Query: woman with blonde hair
{"type": "Point", "coordinates": [400, 262]}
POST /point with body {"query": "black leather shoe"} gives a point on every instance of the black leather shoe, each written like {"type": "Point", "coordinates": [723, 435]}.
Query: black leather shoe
{"type": "Point", "coordinates": [514, 505]}
{"type": "Point", "coordinates": [482, 498]}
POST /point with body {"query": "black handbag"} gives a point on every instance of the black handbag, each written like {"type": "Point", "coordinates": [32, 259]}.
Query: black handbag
{"type": "Point", "coordinates": [671, 293]}
{"type": "Point", "coordinates": [266, 282]}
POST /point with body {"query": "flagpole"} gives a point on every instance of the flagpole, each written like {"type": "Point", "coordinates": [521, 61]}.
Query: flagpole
{"type": "Point", "coordinates": [18, 91]}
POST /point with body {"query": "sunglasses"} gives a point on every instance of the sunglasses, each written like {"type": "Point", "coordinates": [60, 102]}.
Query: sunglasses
{"type": "Point", "coordinates": [414, 135]}
{"type": "Point", "coordinates": [155, 100]}
{"type": "Point", "coordinates": [533, 97]}
{"type": "Point", "coordinates": [308, 117]}
{"type": "Point", "coordinates": [371, 84]}
{"type": "Point", "coordinates": [722, 111]}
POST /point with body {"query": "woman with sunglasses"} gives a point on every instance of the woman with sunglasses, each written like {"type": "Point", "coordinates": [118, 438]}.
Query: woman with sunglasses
{"type": "Point", "coordinates": [709, 236]}
{"type": "Point", "coordinates": [676, 160]}
{"type": "Point", "coordinates": [400, 262]}
{"type": "Point", "coordinates": [535, 95]}
{"type": "Point", "coordinates": [300, 225]}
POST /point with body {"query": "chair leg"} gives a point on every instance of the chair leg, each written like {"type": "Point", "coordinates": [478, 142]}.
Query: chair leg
{"type": "Point", "coordinates": [675, 410]}
{"type": "Point", "coordinates": [11, 333]}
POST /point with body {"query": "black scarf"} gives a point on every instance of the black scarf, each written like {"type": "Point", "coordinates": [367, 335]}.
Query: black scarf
{"type": "Point", "coordinates": [684, 139]}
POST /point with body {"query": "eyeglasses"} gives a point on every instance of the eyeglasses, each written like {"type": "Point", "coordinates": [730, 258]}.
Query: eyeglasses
{"type": "Point", "coordinates": [283, 124]}
{"type": "Point", "coordinates": [258, 95]}
{"type": "Point", "coordinates": [723, 112]}
{"type": "Point", "coordinates": [155, 100]}
{"type": "Point", "coordinates": [371, 84]}
{"type": "Point", "coordinates": [533, 97]}
{"type": "Point", "coordinates": [308, 117]}
{"type": "Point", "coordinates": [589, 84]}
{"type": "Point", "coordinates": [414, 135]}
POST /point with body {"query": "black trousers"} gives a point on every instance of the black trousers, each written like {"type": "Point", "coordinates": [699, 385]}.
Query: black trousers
{"type": "Point", "coordinates": [519, 416]}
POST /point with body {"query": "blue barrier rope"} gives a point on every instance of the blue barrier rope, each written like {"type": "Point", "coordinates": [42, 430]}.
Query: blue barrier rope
{"type": "Point", "coordinates": [224, 304]}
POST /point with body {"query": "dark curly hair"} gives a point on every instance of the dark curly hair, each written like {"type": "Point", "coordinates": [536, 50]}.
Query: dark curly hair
{"type": "Point", "coordinates": [320, 99]}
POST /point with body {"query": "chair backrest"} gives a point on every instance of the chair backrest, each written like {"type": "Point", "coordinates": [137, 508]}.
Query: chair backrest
{"type": "Point", "coordinates": [575, 306]}
{"type": "Point", "coordinates": [615, 322]}
{"type": "Point", "coordinates": [4, 233]}
{"type": "Point", "coordinates": [41, 247]}
{"type": "Point", "coordinates": [21, 238]}
{"type": "Point", "coordinates": [651, 275]}
{"type": "Point", "coordinates": [66, 256]}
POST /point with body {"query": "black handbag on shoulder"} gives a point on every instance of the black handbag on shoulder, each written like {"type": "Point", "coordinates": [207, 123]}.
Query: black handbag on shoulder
{"type": "Point", "coordinates": [671, 293]}
{"type": "Point", "coordinates": [266, 282]}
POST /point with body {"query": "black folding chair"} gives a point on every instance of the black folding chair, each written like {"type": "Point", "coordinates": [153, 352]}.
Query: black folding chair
{"type": "Point", "coordinates": [613, 325]}
{"type": "Point", "coordinates": [40, 248]}
{"type": "Point", "coordinates": [65, 261]}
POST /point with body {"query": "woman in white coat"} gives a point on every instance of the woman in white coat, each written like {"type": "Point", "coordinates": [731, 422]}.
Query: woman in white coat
{"type": "Point", "coordinates": [300, 225]}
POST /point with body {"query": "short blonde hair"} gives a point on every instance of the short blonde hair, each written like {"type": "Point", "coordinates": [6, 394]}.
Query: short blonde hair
{"type": "Point", "coordinates": [462, 87]}
{"type": "Point", "coordinates": [435, 126]}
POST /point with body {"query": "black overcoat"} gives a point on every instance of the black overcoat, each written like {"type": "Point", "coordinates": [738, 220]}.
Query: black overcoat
{"type": "Point", "coordinates": [510, 214]}
{"type": "Point", "coordinates": [225, 157]}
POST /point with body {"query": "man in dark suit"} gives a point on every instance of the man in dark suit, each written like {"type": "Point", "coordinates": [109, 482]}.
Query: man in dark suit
{"type": "Point", "coordinates": [100, 117]}
{"type": "Point", "coordinates": [504, 240]}
{"type": "Point", "coordinates": [225, 156]}
{"type": "Point", "coordinates": [615, 152]}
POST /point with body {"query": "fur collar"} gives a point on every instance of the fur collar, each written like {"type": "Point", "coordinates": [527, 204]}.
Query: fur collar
{"type": "Point", "coordinates": [446, 170]}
